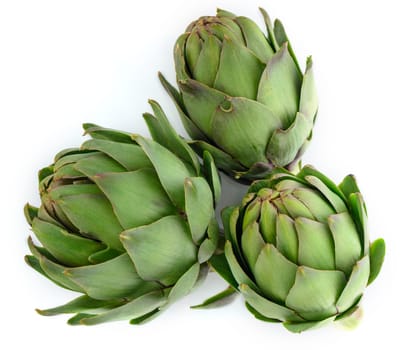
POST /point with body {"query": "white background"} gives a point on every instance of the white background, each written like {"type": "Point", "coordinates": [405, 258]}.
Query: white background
{"type": "Point", "coordinates": [67, 62]}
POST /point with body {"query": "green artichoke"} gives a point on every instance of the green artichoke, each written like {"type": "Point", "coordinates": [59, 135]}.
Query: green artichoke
{"type": "Point", "coordinates": [126, 221]}
{"type": "Point", "coordinates": [298, 249]}
{"type": "Point", "coordinates": [242, 95]}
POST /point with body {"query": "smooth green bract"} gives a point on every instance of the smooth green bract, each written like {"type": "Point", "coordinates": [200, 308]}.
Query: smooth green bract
{"type": "Point", "coordinates": [298, 250]}
{"type": "Point", "coordinates": [242, 95]}
{"type": "Point", "coordinates": [126, 221]}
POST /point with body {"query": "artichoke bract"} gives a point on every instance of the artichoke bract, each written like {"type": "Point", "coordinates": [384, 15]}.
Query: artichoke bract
{"type": "Point", "coordinates": [242, 95]}
{"type": "Point", "coordinates": [298, 249]}
{"type": "Point", "coordinates": [126, 221]}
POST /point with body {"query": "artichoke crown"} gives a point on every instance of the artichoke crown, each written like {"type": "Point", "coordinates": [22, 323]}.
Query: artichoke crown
{"type": "Point", "coordinates": [124, 221]}
{"type": "Point", "coordinates": [242, 95]}
{"type": "Point", "coordinates": [298, 249]}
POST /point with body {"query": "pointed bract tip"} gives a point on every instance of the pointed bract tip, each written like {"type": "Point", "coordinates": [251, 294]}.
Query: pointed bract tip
{"type": "Point", "coordinates": [161, 77]}
{"type": "Point", "coordinates": [243, 286]}
{"type": "Point", "coordinates": [265, 15]}
{"type": "Point", "coordinates": [147, 115]}
{"type": "Point", "coordinates": [309, 63]}
{"type": "Point", "coordinates": [308, 166]}
{"type": "Point", "coordinates": [43, 312]}
{"type": "Point", "coordinates": [224, 13]}
{"type": "Point", "coordinates": [83, 322]}
{"type": "Point", "coordinates": [67, 273]}
{"type": "Point", "coordinates": [284, 47]}
{"type": "Point", "coordinates": [154, 104]}
{"type": "Point", "coordinates": [29, 213]}
{"type": "Point", "coordinates": [352, 176]}
{"type": "Point", "coordinates": [262, 10]}
{"type": "Point", "coordinates": [301, 270]}
{"type": "Point", "coordinates": [136, 137]}
{"type": "Point", "coordinates": [151, 101]}
{"type": "Point", "coordinates": [87, 126]}
{"type": "Point", "coordinates": [124, 236]}
{"type": "Point", "coordinates": [27, 260]}
{"type": "Point", "coordinates": [30, 241]}
{"type": "Point", "coordinates": [188, 182]}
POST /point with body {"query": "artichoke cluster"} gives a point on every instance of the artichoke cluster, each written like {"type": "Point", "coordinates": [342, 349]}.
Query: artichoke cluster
{"type": "Point", "coordinates": [129, 222]}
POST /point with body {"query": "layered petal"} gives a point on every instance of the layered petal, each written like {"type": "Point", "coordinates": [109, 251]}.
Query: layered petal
{"type": "Point", "coordinates": [161, 251]}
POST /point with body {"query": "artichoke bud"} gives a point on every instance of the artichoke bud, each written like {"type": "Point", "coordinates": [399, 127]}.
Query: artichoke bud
{"type": "Point", "coordinates": [268, 121]}
{"type": "Point", "coordinates": [297, 254]}
{"type": "Point", "coordinates": [126, 221]}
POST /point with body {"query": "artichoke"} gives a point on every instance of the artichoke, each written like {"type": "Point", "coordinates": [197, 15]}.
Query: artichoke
{"type": "Point", "coordinates": [126, 221]}
{"type": "Point", "coordinates": [242, 95]}
{"type": "Point", "coordinates": [298, 249]}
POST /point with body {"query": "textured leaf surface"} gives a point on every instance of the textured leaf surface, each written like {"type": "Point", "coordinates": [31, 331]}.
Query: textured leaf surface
{"type": "Point", "coordinates": [355, 286]}
{"type": "Point", "coordinates": [316, 246]}
{"type": "Point", "coordinates": [163, 133]}
{"type": "Point", "coordinates": [137, 197]}
{"type": "Point", "coordinates": [274, 274]}
{"type": "Point", "coordinates": [347, 245]}
{"type": "Point", "coordinates": [239, 70]}
{"type": "Point", "coordinates": [51, 269]}
{"type": "Point", "coordinates": [189, 125]}
{"type": "Point", "coordinates": [198, 206]}
{"type": "Point", "coordinates": [333, 198]}
{"type": "Point", "coordinates": [279, 87]}
{"type": "Point", "coordinates": [319, 208]}
{"type": "Point", "coordinates": [377, 255]}
{"type": "Point", "coordinates": [82, 304]}
{"type": "Point", "coordinates": [284, 145]}
{"type": "Point", "coordinates": [308, 105]}
{"type": "Point", "coordinates": [185, 283]}
{"type": "Point", "coordinates": [255, 39]}
{"type": "Point", "coordinates": [207, 63]}
{"type": "Point", "coordinates": [201, 101]}
{"type": "Point", "coordinates": [93, 215]}
{"type": "Point", "coordinates": [266, 307]}
{"type": "Point", "coordinates": [349, 185]}
{"type": "Point", "coordinates": [286, 237]}
{"type": "Point", "coordinates": [236, 269]}
{"type": "Point", "coordinates": [169, 168]}
{"type": "Point", "coordinates": [223, 160]}
{"type": "Point", "coordinates": [162, 251]}
{"type": "Point", "coordinates": [252, 243]}
{"type": "Point", "coordinates": [358, 211]}
{"type": "Point", "coordinates": [242, 128]}
{"type": "Point", "coordinates": [68, 248]}
{"type": "Point", "coordinates": [113, 279]}
{"type": "Point", "coordinates": [130, 156]}
{"type": "Point", "coordinates": [220, 264]}
{"type": "Point", "coordinates": [315, 292]}
{"type": "Point", "coordinates": [268, 218]}
{"type": "Point", "coordinates": [212, 176]}
{"type": "Point", "coordinates": [133, 309]}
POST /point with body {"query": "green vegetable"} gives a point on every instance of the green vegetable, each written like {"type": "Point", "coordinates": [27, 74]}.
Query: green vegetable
{"type": "Point", "coordinates": [126, 221]}
{"type": "Point", "coordinates": [242, 95]}
{"type": "Point", "coordinates": [298, 249]}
